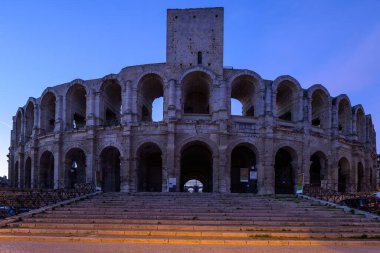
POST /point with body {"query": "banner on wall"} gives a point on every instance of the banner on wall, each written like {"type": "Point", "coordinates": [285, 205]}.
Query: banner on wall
{"type": "Point", "coordinates": [244, 172]}
{"type": "Point", "coordinates": [300, 179]}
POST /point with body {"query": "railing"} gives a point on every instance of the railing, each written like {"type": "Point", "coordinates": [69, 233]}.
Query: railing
{"type": "Point", "coordinates": [365, 201]}
{"type": "Point", "coordinates": [22, 199]}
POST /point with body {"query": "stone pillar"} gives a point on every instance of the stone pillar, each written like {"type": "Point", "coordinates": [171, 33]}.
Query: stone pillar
{"type": "Point", "coordinates": [58, 114]}
{"type": "Point", "coordinates": [125, 168]}
{"type": "Point", "coordinates": [177, 170]}
{"type": "Point", "coordinates": [98, 109]}
{"type": "Point", "coordinates": [134, 98]}
{"type": "Point", "coordinates": [178, 101]}
{"type": "Point", "coordinates": [34, 168]}
{"type": "Point", "coordinates": [268, 100]}
{"type": "Point", "coordinates": [223, 101]}
{"type": "Point", "coordinates": [266, 185]}
{"type": "Point", "coordinates": [224, 163]}
{"type": "Point", "coordinates": [22, 170]}
{"type": "Point", "coordinates": [37, 120]}
{"type": "Point", "coordinates": [215, 173]}
{"type": "Point", "coordinates": [11, 167]}
{"type": "Point", "coordinates": [129, 102]}
{"type": "Point", "coordinates": [59, 163]}
{"type": "Point", "coordinates": [124, 165]}
{"type": "Point", "coordinates": [172, 102]}
{"type": "Point", "coordinates": [170, 154]}
{"type": "Point", "coordinates": [133, 173]}
{"type": "Point", "coordinates": [260, 105]}
{"type": "Point", "coordinates": [222, 171]}
{"type": "Point", "coordinates": [90, 104]}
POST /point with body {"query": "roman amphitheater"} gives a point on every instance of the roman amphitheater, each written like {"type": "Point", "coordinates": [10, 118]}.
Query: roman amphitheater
{"type": "Point", "coordinates": [102, 131]}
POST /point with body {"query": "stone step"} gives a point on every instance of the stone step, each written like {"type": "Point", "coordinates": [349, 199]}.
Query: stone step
{"type": "Point", "coordinates": [190, 233]}
{"type": "Point", "coordinates": [193, 213]}
{"type": "Point", "coordinates": [197, 227]}
{"type": "Point", "coordinates": [195, 218]}
{"type": "Point", "coordinates": [284, 224]}
{"type": "Point", "coordinates": [177, 217]}
{"type": "Point", "coordinates": [186, 240]}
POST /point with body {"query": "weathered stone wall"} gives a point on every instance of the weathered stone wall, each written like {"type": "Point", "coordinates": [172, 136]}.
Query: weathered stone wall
{"type": "Point", "coordinates": [284, 130]}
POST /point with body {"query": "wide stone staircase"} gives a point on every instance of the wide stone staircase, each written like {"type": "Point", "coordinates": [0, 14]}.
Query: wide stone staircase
{"type": "Point", "coordinates": [198, 218]}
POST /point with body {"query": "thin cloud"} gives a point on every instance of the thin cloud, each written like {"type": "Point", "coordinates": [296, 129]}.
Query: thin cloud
{"type": "Point", "coordinates": [5, 124]}
{"type": "Point", "coordinates": [353, 70]}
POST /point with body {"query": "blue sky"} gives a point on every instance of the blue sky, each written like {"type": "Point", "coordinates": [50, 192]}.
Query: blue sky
{"type": "Point", "coordinates": [45, 43]}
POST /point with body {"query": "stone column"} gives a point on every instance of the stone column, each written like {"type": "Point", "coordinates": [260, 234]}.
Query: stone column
{"type": "Point", "coordinates": [126, 165]}
{"type": "Point", "coordinates": [178, 101]}
{"type": "Point", "coordinates": [172, 102]}
{"type": "Point", "coordinates": [170, 153]}
{"type": "Point", "coordinates": [37, 120]}
{"type": "Point", "coordinates": [98, 115]}
{"type": "Point", "coordinates": [268, 100]}
{"type": "Point", "coordinates": [266, 174]}
{"type": "Point", "coordinates": [215, 173]}
{"type": "Point", "coordinates": [223, 101]}
{"type": "Point", "coordinates": [59, 163]}
{"type": "Point", "coordinates": [34, 168]}
{"type": "Point", "coordinates": [22, 170]}
{"type": "Point", "coordinates": [177, 170]}
{"type": "Point", "coordinates": [58, 114]}
{"type": "Point", "coordinates": [90, 104]}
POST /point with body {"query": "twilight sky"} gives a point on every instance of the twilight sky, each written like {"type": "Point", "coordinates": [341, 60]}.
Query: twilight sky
{"type": "Point", "coordinates": [45, 43]}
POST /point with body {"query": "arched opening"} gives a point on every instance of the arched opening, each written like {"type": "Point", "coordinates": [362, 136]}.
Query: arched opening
{"type": "Point", "coordinates": [16, 179]}
{"type": "Point", "coordinates": [76, 107]}
{"type": "Point", "coordinates": [196, 163]}
{"type": "Point", "coordinates": [48, 104]}
{"type": "Point", "coordinates": [361, 178]}
{"type": "Point", "coordinates": [317, 170]}
{"type": "Point", "coordinates": [199, 57]}
{"type": "Point", "coordinates": [151, 98]}
{"type": "Point", "coordinates": [111, 97]}
{"type": "Point", "coordinates": [243, 161]}
{"type": "Point", "coordinates": [284, 172]}
{"type": "Point", "coordinates": [244, 90]}
{"type": "Point", "coordinates": [193, 185]}
{"type": "Point", "coordinates": [18, 127]}
{"type": "Point", "coordinates": [286, 101]}
{"type": "Point", "coordinates": [343, 175]}
{"type": "Point", "coordinates": [196, 93]}
{"type": "Point", "coordinates": [75, 164]}
{"type": "Point", "coordinates": [344, 118]}
{"type": "Point", "coordinates": [319, 109]}
{"type": "Point", "coordinates": [110, 172]}
{"type": "Point", "coordinates": [360, 125]}
{"type": "Point", "coordinates": [28, 173]}
{"type": "Point", "coordinates": [46, 171]}
{"type": "Point", "coordinates": [29, 119]}
{"type": "Point", "coordinates": [149, 168]}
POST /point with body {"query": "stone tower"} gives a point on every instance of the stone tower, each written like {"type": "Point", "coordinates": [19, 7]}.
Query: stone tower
{"type": "Point", "coordinates": [195, 37]}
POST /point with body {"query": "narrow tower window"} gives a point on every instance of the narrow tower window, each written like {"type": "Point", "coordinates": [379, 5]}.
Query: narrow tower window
{"type": "Point", "coordinates": [199, 57]}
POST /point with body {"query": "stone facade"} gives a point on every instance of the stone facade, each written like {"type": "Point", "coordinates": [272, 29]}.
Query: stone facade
{"type": "Point", "coordinates": [102, 130]}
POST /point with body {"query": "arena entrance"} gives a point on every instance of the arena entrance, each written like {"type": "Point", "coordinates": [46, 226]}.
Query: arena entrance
{"type": "Point", "coordinates": [196, 164]}
{"type": "Point", "coordinates": [284, 176]}
{"type": "Point", "coordinates": [110, 170]}
{"type": "Point", "coordinates": [317, 169]}
{"type": "Point", "coordinates": [46, 171]}
{"type": "Point", "coordinates": [343, 175]}
{"type": "Point", "coordinates": [75, 167]}
{"type": "Point", "coordinates": [149, 168]}
{"type": "Point", "coordinates": [243, 160]}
